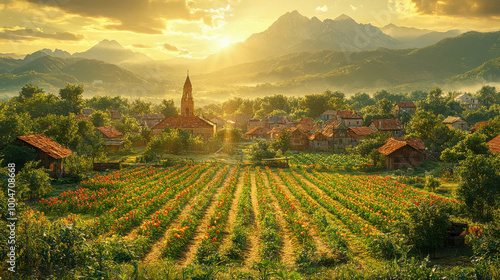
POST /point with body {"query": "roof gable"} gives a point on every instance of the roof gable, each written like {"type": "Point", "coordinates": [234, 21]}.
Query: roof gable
{"type": "Point", "coordinates": [109, 131]}
{"type": "Point", "coordinates": [386, 124]}
{"type": "Point", "coordinates": [494, 144]}
{"type": "Point", "coordinates": [393, 144]}
{"type": "Point", "coordinates": [46, 145]}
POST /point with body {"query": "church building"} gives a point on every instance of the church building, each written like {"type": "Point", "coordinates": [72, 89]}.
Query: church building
{"type": "Point", "coordinates": [187, 120]}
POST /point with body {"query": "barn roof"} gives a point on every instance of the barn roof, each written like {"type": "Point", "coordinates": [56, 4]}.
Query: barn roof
{"type": "Point", "coordinates": [255, 131]}
{"type": "Point", "coordinates": [494, 144]}
{"type": "Point", "coordinates": [184, 123]}
{"type": "Point", "coordinates": [387, 124]}
{"type": "Point", "coordinates": [405, 104]}
{"type": "Point", "coordinates": [349, 114]}
{"type": "Point", "coordinates": [306, 120]}
{"type": "Point", "coordinates": [318, 136]}
{"type": "Point", "coordinates": [46, 145]}
{"type": "Point", "coordinates": [361, 130]}
{"type": "Point", "coordinates": [148, 116]}
{"type": "Point", "coordinates": [109, 131]}
{"type": "Point", "coordinates": [394, 144]}
{"type": "Point", "coordinates": [451, 119]}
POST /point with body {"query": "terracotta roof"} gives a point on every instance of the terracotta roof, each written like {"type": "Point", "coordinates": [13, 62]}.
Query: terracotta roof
{"type": "Point", "coordinates": [259, 130]}
{"type": "Point", "coordinates": [406, 104]}
{"type": "Point", "coordinates": [329, 112]}
{"type": "Point", "coordinates": [306, 120]}
{"type": "Point", "coordinates": [387, 124]}
{"type": "Point", "coordinates": [451, 119]}
{"type": "Point", "coordinates": [109, 131]}
{"type": "Point", "coordinates": [318, 136]}
{"type": "Point", "coordinates": [478, 125]}
{"type": "Point", "coordinates": [184, 123]}
{"type": "Point", "coordinates": [47, 145]}
{"type": "Point", "coordinates": [394, 144]}
{"type": "Point", "coordinates": [361, 130]}
{"type": "Point", "coordinates": [148, 116]}
{"type": "Point", "coordinates": [349, 114]}
{"type": "Point", "coordinates": [494, 144]}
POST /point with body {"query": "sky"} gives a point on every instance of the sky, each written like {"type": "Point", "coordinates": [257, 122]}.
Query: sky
{"type": "Point", "coordinates": [165, 29]}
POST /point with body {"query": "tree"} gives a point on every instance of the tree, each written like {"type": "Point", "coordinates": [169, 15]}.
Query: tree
{"type": "Point", "coordinates": [30, 90]}
{"type": "Point", "coordinates": [360, 100]}
{"type": "Point", "coordinates": [100, 119]}
{"type": "Point", "coordinates": [140, 107]}
{"type": "Point", "coordinates": [277, 112]}
{"type": "Point", "coordinates": [385, 107]}
{"type": "Point", "coordinates": [73, 96]}
{"type": "Point", "coordinates": [488, 96]}
{"type": "Point", "coordinates": [14, 125]}
{"type": "Point", "coordinates": [34, 182]}
{"type": "Point", "coordinates": [368, 147]}
{"type": "Point", "coordinates": [229, 136]}
{"type": "Point", "coordinates": [298, 114]}
{"type": "Point", "coordinates": [261, 149]}
{"type": "Point", "coordinates": [423, 124]}
{"type": "Point", "coordinates": [490, 130]}
{"type": "Point", "coordinates": [479, 185]}
{"type": "Point", "coordinates": [93, 147]}
{"type": "Point", "coordinates": [246, 108]}
{"type": "Point", "coordinates": [283, 142]}
{"type": "Point", "coordinates": [128, 125]}
{"type": "Point", "coordinates": [472, 144]}
{"type": "Point", "coordinates": [338, 103]}
{"type": "Point", "coordinates": [19, 155]}
{"type": "Point", "coordinates": [316, 103]}
{"type": "Point", "coordinates": [64, 130]}
{"type": "Point", "coordinates": [168, 109]}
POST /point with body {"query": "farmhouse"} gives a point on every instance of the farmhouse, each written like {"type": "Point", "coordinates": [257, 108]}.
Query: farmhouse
{"type": "Point", "coordinates": [113, 139]}
{"type": "Point", "coordinates": [299, 139]}
{"type": "Point", "coordinates": [256, 133]}
{"type": "Point", "coordinates": [402, 153]}
{"type": "Point", "coordinates": [149, 120]}
{"type": "Point", "coordinates": [49, 152]}
{"type": "Point", "coordinates": [404, 107]}
{"type": "Point", "coordinates": [318, 142]}
{"type": "Point", "coordinates": [356, 134]}
{"type": "Point", "coordinates": [198, 126]}
{"type": "Point", "coordinates": [387, 125]}
{"type": "Point", "coordinates": [467, 100]}
{"type": "Point", "coordinates": [307, 125]}
{"type": "Point", "coordinates": [457, 123]}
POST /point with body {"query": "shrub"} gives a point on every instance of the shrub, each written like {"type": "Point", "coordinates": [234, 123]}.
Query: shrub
{"type": "Point", "coordinates": [431, 183]}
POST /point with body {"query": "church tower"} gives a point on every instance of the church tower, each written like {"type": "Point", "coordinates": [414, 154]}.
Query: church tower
{"type": "Point", "coordinates": [187, 102]}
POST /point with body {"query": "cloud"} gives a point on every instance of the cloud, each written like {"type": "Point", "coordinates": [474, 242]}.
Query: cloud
{"type": "Point", "coordinates": [171, 48]}
{"type": "Point", "coordinates": [140, 16]}
{"type": "Point", "coordinates": [461, 8]}
{"type": "Point", "coordinates": [323, 8]}
{"type": "Point", "coordinates": [141, 46]}
{"type": "Point", "coordinates": [354, 8]}
{"type": "Point", "coordinates": [27, 34]}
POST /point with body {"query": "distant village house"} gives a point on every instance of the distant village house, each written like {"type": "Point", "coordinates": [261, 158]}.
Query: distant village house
{"type": "Point", "coordinates": [457, 123]}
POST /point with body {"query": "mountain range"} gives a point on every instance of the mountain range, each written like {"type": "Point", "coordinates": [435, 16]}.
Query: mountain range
{"type": "Point", "coordinates": [295, 54]}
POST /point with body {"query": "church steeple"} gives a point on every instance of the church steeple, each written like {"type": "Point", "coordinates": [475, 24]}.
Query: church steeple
{"type": "Point", "coordinates": [187, 102]}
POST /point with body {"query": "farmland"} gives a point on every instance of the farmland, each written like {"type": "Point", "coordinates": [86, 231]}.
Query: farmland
{"type": "Point", "coordinates": [241, 216]}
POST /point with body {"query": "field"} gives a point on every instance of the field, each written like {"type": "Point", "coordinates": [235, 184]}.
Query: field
{"type": "Point", "coordinates": [242, 216]}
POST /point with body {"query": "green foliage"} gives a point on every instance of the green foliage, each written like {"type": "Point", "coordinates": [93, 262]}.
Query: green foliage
{"type": "Point", "coordinates": [29, 91]}
{"type": "Point", "coordinates": [19, 155]}
{"type": "Point", "coordinates": [99, 119]}
{"type": "Point", "coordinates": [261, 149]}
{"type": "Point", "coordinates": [425, 227]}
{"type": "Point", "coordinates": [168, 109]}
{"type": "Point", "coordinates": [284, 142]}
{"type": "Point", "coordinates": [172, 141]}
{"type": "Point", "coordinates": [488, 96]}
{"type": "Point", "coordinates": [14, 125]}
{"type": "Point", "coordinates": [128, 125]}
{"type": "Point", "coordinates": [389, 246]}
{"type": "Point", "coordinates": [385, 107]}
{"type": "Point", "coordinates": [471, 144]}
{"type": "Point", "coordinates": [368, 147]}
{"type": "Point", "coordinates": [479, 185]}
{"type": "Point", "coordinates": [78, 166]}
{"type": "Point", "coordinates": [139, 106]}
{"type": "Point", "coordinates": [104, 103]}
{"type": "Point", "coordinates": [229, 136]}
{"type": "Point", "coordinates": [431, 182]}
{"type": "Point", "coordinates": [490, 130]}
{"type": "Point", "coordinates": [72, 95]}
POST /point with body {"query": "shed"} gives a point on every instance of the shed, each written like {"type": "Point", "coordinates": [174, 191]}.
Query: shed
{"type": "Point", "coordinates": [403, 153]}
{"type": "Point", "coordinates": [49, 152]}
{"type": "Point", "coordinates": [318, 142]}
{"type": "Point", "coordinates": [113, 138]}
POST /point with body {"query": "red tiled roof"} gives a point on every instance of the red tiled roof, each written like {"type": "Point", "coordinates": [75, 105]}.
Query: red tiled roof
{"type": "Point", "coordinates": [394, 144]}
{"type": "Point", "coordinates": [451, 119]}
{"type": "Point", "coordinates": [406, 104]}
{"type": "Point", "coordinates": [148, 116]}
{"type": "Point", "coordinates": [386, 124]}
{"type": "Point", "coordinates": [361, 130]}
{"type": "Point", "coordinates": [318, 136]}
{"type": "Point", "coordinates": [306, 120]}
{"type": "Point", "coordinates": [330, 112]}
{"type": "Point", "coordinates": [494, 144]}
{"type": "Point", "coordinates": [47, 145]}
{"type": "Point", "coordinates": [478, 125]}
{"type": "Point", "coordinates": [184, 123]}
{"type": "Point", "coordinates": [349, 114]}
{"type": "Point", "coordinates": [258, 130]}
{"type": "Point", "coordinates": [109, 131]}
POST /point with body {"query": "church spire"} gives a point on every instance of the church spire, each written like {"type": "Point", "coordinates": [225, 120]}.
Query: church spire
{"type": "Point", "coordinates": [187, 102]}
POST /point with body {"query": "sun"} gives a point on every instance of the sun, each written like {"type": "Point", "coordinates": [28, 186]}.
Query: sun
{"type": "Point", "coordinates": [224, 42]}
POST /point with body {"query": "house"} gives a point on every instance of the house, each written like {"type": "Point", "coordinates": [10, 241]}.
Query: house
{"type": "Point", "coordinates": [467, 100]}
{"type": "Point", "coordinates": [350, 118]}
{"type": "Point", "coordinates": [271, 122]}
{"type": "Point", "coordinates": [50, 153]}
{"type": "Point", "coordinates": [402, 153]}
{"type": "Point", "coordinates": [198, 126]}
{"type": "Point", "coordinates": [114, 114]}
{"type": "Point", "coordinates": [329, 114]}
{"type": "Point", "coordinates": [149, 120]}
{"type": "Point", "coordinates": [219, 123]}
{"type": "Point", "coordinates": [336, 132]}
{"type": "Point", "coordinates": [299, 139]}
{"type": "Point", "coordinates": [404, 107]}
{"type": "Point", "coordinates": [387, 125]}
{"type": "Point", "coordinates": [494, 144]}
{"type": "Point", "coordinates": [87, 111]}
{"type": "Point", "coordinates": [307, 125]}
{"type": "Point", "coordinates": [257, 132]}
{"type": "Point", "coordinates": [356, 134]}
{"type": "Point", "coordinates": [239, 121]}
{"type": "Point", "coordinates": [254, 122]}
{"type": "Point", "coordinates": [457, 123]}
{"type": "Point", "coordinates": [318, 142]}
{"type": "Point", "coordinates": [478, 125]}
{"type": "Point", "coordinates": [113, 139]}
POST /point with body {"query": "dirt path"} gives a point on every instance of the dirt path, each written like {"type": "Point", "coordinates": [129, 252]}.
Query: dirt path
{"type": "Point", "coordinates": [320, 245]}
{"type": "Point", "coordinates": [356, 245]}
{"type": "Point", "coordinates": [134, 231]}
{"type": "Point", "coordinates": [190, 251]}
{"type": "Point", "coordinates": [252, 252]}
{"type": "Point", "coordinates": [287, 250]}
{"type": "Point", "coordinates": [155, 253]}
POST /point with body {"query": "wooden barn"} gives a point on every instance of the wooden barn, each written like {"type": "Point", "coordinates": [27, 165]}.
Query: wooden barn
{"type": "Point", "coordinates": [49, 152]}
{"type": "Point", "coordinates": [403, 153]}
{"type": "Point", "coordinates": [318, 142]}
{"type": "Point", "coordinates": [113, 139]}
